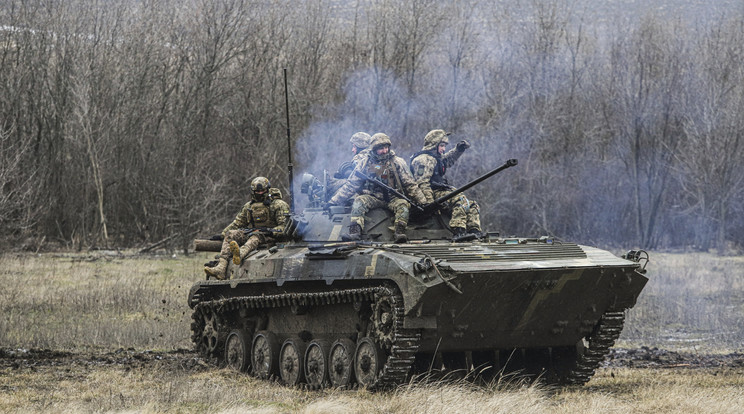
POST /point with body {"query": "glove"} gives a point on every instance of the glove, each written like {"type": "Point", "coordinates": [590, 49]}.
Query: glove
{"type": "Point", "coordinates": [463, 145]}
{"type": "Point", "coordinates": [344, 170]}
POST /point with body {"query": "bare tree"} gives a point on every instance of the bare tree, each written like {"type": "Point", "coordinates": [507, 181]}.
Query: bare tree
{"type": "Point", "coordinates": [709, 162]}
{"type": "Point", "coordinates": [17, 191]}
{"type": "Point", "coordinates": [127, 123]}
{"type": "Point", "coordinates": [644, 105]}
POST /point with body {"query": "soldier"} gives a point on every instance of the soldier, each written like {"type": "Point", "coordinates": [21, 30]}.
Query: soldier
{"type": "Point", "coordinates": [429, 166]}
{"type": "Point", "coordinates": [266, 214]}
{"type": "Point", "coordinates": [381, 163]}
{"type": "Point", "coordinates": [359, 143]}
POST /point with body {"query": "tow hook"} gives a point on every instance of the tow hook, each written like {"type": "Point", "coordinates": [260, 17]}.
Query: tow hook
{"type": "Point", "coordinates": [637, 256]}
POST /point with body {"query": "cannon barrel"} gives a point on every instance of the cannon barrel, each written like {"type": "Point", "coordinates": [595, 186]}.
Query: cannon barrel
{"type": "Point", "coordinates": [509, 163]}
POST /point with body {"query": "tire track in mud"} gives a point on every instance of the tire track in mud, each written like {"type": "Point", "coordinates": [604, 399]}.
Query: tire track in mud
{"type": "Point", "coordinates": [183, 360]}
{"type": "Point", "coordinates": [645, 357]}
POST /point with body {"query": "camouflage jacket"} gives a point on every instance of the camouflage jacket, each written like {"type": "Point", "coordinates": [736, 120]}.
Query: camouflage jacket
{"type": "Point", "coordinates": [392, 171]}
{"type": "Point", "coordinates": [271, 213]}
{"type": "Point", "coordinates": [428, 169]}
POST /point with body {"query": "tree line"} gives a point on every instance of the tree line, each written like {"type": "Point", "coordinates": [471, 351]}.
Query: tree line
{"type": "Point", "coordinates": [125, 123]}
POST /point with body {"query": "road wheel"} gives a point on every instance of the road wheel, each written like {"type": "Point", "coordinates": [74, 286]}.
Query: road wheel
{"type": "Point", "coordinates": [237, 350]}
{"type": "Point", "coordinates": [265, 352]}
{"type": "Point", "coordinates": [316, 363]}
{"type": "Point", "coordinates": [367, 362]}
{"type": "Point", "coordinates": [291, 361]}
{"type": "Point", "coordinates": [341, 365]}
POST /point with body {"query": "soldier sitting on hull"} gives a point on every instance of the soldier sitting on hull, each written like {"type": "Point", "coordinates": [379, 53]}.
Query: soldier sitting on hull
{"type": "Point", "coordinates": [428, 167]}
{"type": "Point", "coordinates": [265, 214]}
{"type": "Point", "coordinates": [359, 143]}
{"type": "Point", "coordinates": [382, 164]}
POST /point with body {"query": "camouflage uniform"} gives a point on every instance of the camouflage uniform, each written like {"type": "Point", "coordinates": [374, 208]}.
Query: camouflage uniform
{"type": "Point", "coordinates": [360, 141]}
{"type": "Point", "coordinates": [265, 211]}
{"type": "Point", "coordinates": [429, 166]}
{"type": "Point", "coordinates": [389, 169]}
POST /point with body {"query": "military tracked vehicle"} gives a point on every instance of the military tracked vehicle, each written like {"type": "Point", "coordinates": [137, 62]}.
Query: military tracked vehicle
{"type": "Point", "coordinates": [317, 311]}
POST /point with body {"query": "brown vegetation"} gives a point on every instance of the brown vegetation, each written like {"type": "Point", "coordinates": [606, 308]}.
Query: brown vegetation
{"type": "Point", "coordinates": [159, 382]}
{"type": "Point", "coordinates": [126, 123]}
{"type": "Point", "coordinates": [110, 332]}
{"type": "Point", "coordinates": [693, 302]}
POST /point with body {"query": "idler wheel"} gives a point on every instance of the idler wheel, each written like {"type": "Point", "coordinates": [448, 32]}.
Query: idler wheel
{"type": "Point", "coordinates": [210, 333]}
{"type": "Point", "coordinates": [237, 350]}
{"type": "Point", "coordinates": [341, 365]}
{"type": "Point", "coordinates": [265, 354]}
{"type": "Point", "coordinates": [316, 363]}
{"type": "Point", "coordinates": [291, 361]}
{"type": "Point", "coordinates": [367, 362]}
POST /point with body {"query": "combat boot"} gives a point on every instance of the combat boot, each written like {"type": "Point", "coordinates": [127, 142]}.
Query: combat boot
{"type": "Point", "coordinates": [240, 253]}
{"type": "Point", "coordinates": [235, 250]}
{"type": "Point", "coordinates": [217, 272]}
{"type": "Point", "coordinates": [462, 236]}
{"type": "Point", "coordinates": [476, 231]}
{"type": "Point", "coordinates": [400, 233]}
{"type": "Point", "coordinates": [355, 233]}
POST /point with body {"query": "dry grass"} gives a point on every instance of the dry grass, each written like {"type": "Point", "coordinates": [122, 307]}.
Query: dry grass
{"type": "Point", "coordinates": [102, 303]}
{"type": "Point", "coordinates": [110, 389]}
{"type": "Point", "coordinates": [693, 302]}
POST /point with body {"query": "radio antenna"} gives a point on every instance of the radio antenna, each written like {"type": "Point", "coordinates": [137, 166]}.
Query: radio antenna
{"type": "Point", "coordinates": [289, 146]}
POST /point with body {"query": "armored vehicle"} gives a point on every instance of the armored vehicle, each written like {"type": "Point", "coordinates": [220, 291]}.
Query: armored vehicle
{"type": "Point", "coordinates": [318, 311]}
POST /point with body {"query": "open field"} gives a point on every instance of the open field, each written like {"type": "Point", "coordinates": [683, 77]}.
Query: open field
{"type": "Point", "coordinates": [110, 332]}
{"type": "Point", "coordinates": [692, 302]}
{"type": "Point", "coordinates": [179, 382]}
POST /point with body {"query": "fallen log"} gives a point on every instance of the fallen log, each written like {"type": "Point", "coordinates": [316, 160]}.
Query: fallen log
{"type": "Point", "coordinates": [207, 245]}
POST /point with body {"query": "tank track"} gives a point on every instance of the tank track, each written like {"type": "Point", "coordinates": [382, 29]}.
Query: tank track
{"type": "Point", "coordinates": [401, 353]}
{"type": "Point", "coordinates": [600, 341]}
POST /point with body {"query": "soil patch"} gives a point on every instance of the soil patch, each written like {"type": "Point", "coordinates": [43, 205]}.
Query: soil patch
{"type": "Point", "coordinates": [180, 360]}
{"type": "Point", "coordinates": [645, 357]}
{"type": "Point", "coordinates": [187, 360]}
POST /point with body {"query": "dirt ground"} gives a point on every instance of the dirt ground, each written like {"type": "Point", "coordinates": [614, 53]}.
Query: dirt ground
{"type": "Point", "coordinates": [126, 380]}
{"type": "Point", "coordinates": [188, 361]}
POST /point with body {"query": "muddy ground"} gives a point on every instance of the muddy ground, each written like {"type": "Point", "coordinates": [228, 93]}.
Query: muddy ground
{"type": "Point", "coordinates": [188, 361]}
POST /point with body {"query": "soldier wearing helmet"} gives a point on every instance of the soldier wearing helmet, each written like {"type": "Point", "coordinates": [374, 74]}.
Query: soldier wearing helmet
{"type": "Point", "coordinates": [381, 163]}
{"type": "Point", "coordinates": [428, 167]}
{"type": "Point", "coordinates": [359, 143]}
{"type": "Point", "coordinates": [264, 217]}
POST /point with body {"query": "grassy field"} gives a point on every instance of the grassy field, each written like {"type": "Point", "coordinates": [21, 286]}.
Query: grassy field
{"type": "Point", "coordinates": [99, 301]}
{"type": "Point", "coordinates": [156, 388]}
{"type": "Point", "coordinates": [692, 302]}
{"type": "Point", "coordinates": [96, 307]}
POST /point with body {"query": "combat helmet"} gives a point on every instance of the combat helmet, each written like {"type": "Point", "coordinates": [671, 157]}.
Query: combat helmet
{"type": "Point", "coordinates": [379, 139]}
{"type": "Point", "coordinates": [259, 187]}
{"type": "Point", "coordinates": [434, 138]}
{"type": "Point", "coordinates": [360, 140]}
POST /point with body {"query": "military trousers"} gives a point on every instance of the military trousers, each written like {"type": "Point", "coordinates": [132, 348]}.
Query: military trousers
{"type": "Point", "coordinates": [465, 212]}
{"type": "Point", "coordinates": [365, 202]}
{"type": "Point", "coordinates": [243, 239]}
